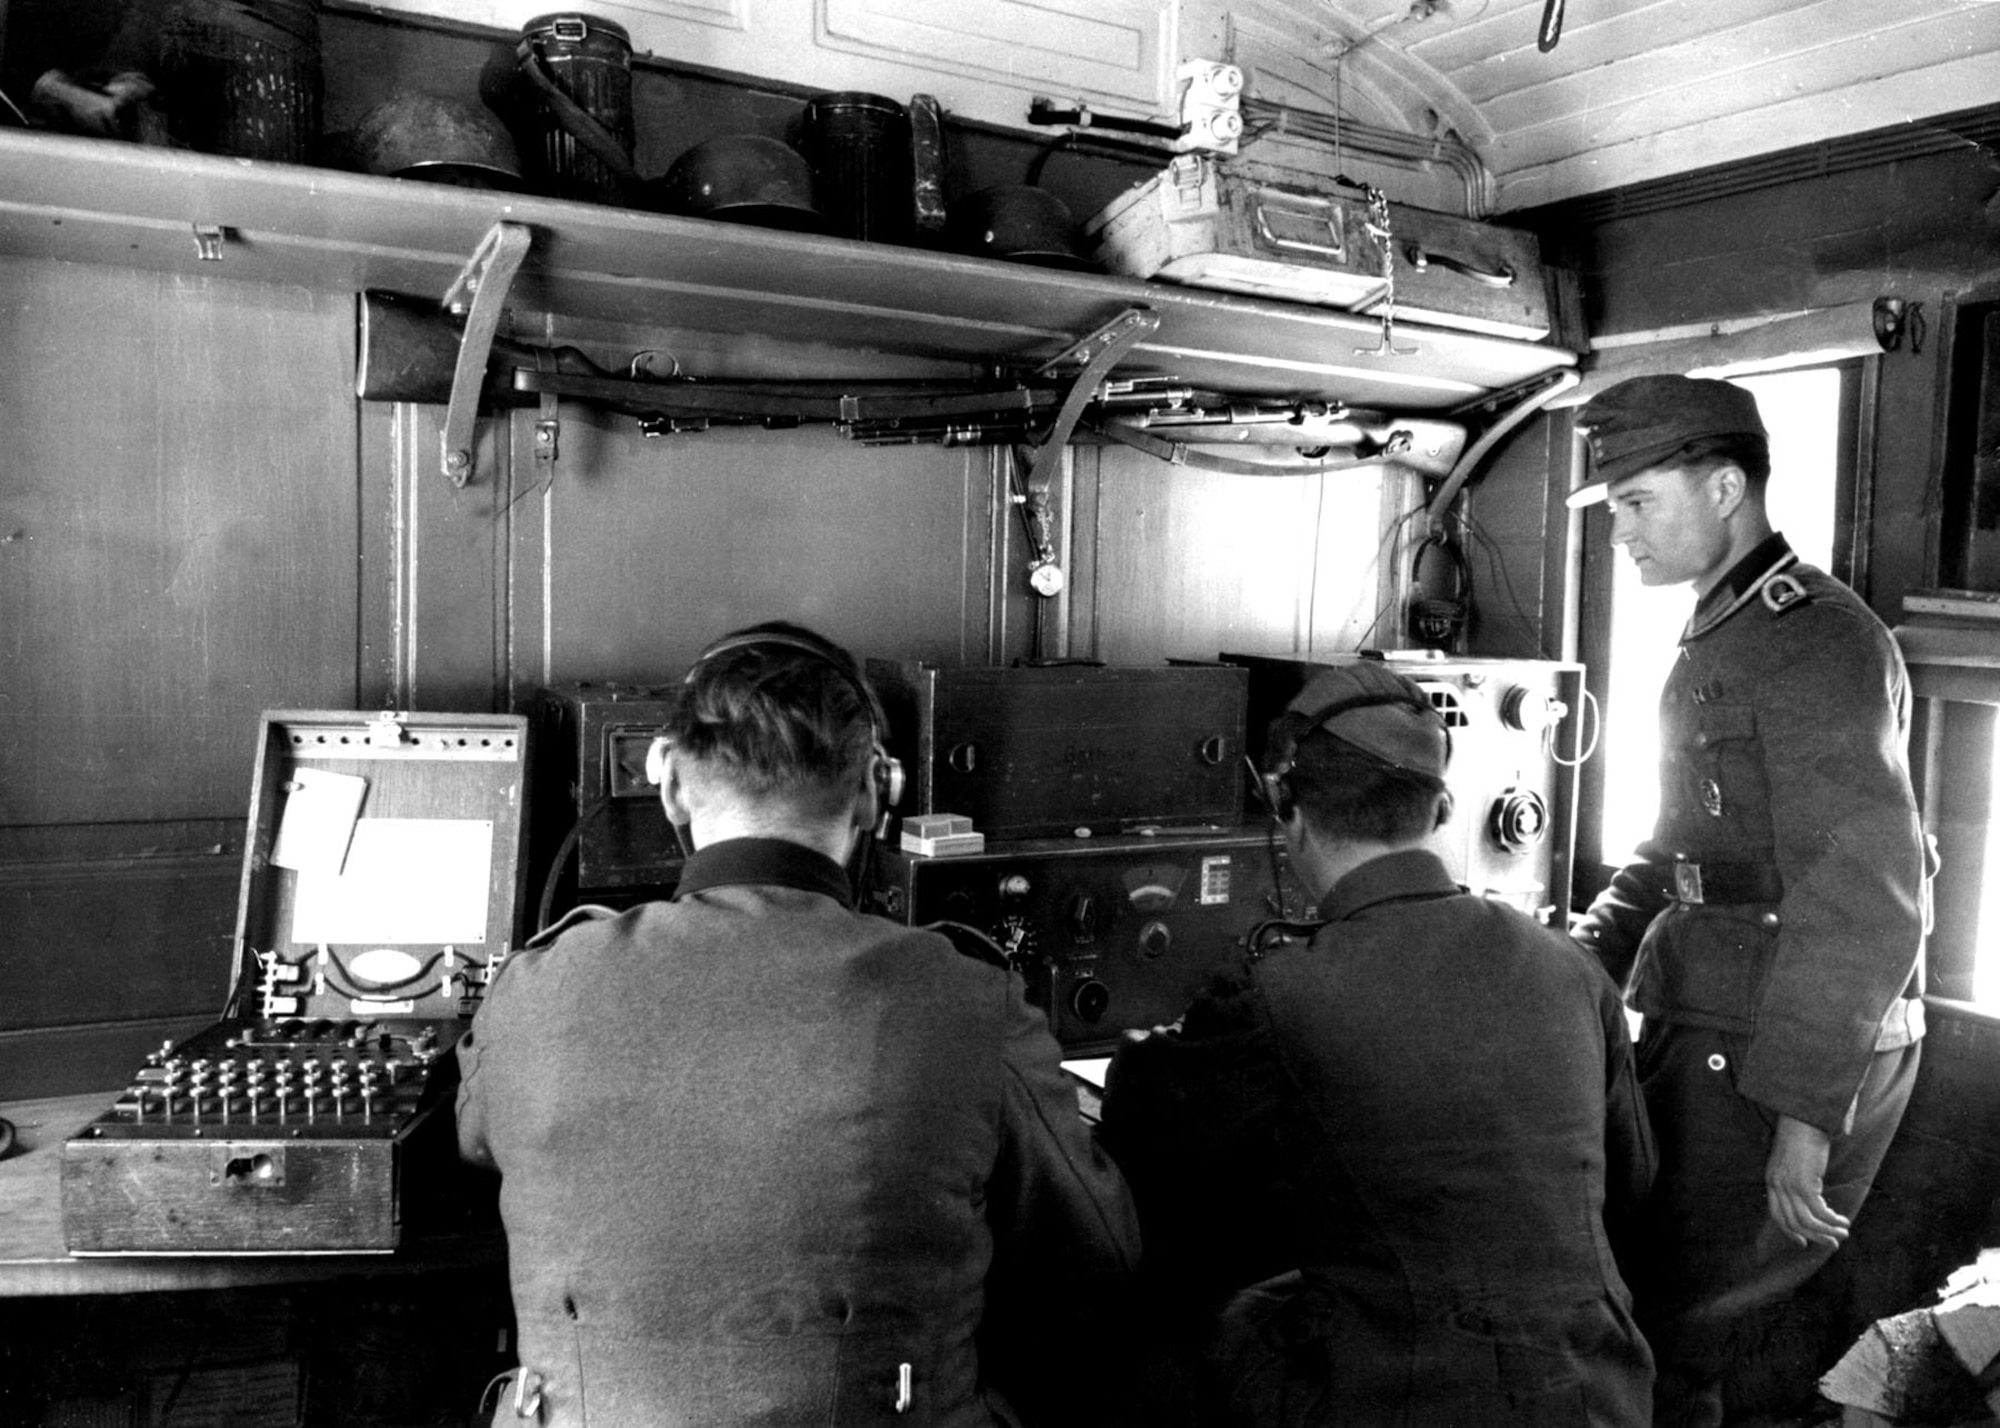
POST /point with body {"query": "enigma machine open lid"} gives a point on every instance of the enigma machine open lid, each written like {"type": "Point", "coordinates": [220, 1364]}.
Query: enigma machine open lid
{"type": "Point", "coordinates": [382, 875]}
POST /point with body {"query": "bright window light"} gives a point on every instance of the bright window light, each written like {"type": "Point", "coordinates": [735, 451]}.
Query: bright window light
{"type": "Point", "coordinates": [1801, 410]}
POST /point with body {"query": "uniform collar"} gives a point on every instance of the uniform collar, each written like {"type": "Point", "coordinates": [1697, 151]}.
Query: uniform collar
{"type": "Point", "coordinates": [1741, 584]}
{"type": "Point", "coordinates": [776, 862]}
{"type": "Point", "coordinates": [1393, 877]}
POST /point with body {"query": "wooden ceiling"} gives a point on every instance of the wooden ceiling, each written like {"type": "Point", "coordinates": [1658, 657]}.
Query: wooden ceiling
{"type": "Point", "coordinates": [1631, 90]}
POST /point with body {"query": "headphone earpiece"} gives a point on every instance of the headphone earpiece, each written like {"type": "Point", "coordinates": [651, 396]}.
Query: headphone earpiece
{"type": "Point", "coordinates": [656, 760]}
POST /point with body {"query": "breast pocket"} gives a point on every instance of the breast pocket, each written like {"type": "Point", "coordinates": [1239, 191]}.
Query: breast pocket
{"type": "Point", "coordinates": [1722, 767]}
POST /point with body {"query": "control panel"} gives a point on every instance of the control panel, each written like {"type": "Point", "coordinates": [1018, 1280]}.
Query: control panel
{"type": "Point", "coordinates": [1110, 933]}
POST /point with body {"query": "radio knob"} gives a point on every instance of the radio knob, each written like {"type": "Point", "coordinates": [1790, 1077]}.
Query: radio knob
{"type": "Point", "coordinates": [1519, 820]}
{"type": "Point", "coordinates": [1014, 885]}
{"type": "Point", "coordinates": [1154, 940]}
{"type": "Point", "coordinates": [1083, 918]}
{"type": "Point", "coordinates": [1531, 711]}
{"type": "Point", "coordinates": [1090, 1001]}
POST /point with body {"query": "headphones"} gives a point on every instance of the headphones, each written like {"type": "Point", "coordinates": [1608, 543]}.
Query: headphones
{"type": "Point", "coordinates": [1435, 620]}
{"type": "Point", "coordinates": [885, 771]}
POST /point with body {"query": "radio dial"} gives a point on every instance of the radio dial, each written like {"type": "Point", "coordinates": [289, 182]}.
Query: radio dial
{"type": "Point", "coordinates": [1154, 940]}
{"type": "Point", "coordinates": [1090, 1001]}
{"type": "Point", "coordinates": [1014, 885]}
{"type": "Point", "coordinates": [1520, 818]}
{"type": "Point", "coordinates": [1531, 711]}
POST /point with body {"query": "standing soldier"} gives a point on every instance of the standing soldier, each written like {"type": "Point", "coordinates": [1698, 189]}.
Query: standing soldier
{"type": "Point", "coordinates": [1771, 931]}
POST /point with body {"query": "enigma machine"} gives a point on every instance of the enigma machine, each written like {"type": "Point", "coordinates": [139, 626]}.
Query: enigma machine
{"type": "Point", "coordinates": [1515, 726]}
{"type": "Point", "coordinates": [380, 891]}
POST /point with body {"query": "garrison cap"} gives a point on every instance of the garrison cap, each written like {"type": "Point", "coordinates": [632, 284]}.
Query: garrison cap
{"type": "Point", "coordinates": [1369, 706]}
{"type": "Point", "coordinates": [1642, 422]}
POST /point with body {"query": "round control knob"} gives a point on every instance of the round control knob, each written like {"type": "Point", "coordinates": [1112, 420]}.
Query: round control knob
{"type": "Point", "coordinates": [1154, 940]}
{"type": "Point", "coordinates": [1519, 820]}
{"type": "Point", "coordinates": [1091, 1000]}
{"type": "Point", "coordinates": [1014, 885]}
{"type": "Point", "coordinates": [1531, 710]}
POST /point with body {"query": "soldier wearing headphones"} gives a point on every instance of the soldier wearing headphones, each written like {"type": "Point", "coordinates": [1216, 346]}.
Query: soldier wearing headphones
{"type": "Point", "coordinates": [1378, 1173]}
{"type": "Point", "coordinates": [765, 1158]}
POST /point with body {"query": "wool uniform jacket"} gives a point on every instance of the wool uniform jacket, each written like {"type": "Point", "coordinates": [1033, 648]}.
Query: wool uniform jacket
{"type": "Point", "coordinates": [1430, 1112]}
{"type": "Point", "coordinates": [765, 1160]}
{"type": "Point", "coordinates": [1781, 895]}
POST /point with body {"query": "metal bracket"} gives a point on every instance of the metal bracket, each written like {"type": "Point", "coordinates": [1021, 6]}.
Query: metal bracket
{"type": "Point", "coordinates": [1098, 353]}
{"type": "Point", "coordinates": [479, 291]}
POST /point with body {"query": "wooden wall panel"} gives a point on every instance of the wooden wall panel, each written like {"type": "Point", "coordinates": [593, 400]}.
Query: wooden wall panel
{"type": "Point", "coordinates": [1191, 563]}
{"type": "Point", "coordinates": [653, 548]}
{"type": "Point", "coordinates": [177, 525]}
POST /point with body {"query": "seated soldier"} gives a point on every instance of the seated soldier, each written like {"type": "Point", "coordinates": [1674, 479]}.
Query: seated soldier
{"type": "Point", "coordinates": [1372, 1170]}
{"type": "Point", "coordinates": [765, 1159]}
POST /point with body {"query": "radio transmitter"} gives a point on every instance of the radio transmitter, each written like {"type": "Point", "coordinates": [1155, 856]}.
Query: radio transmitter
{"type": "Point", "coordinates": [1515, 727]}
{"type": "Point", "coordinates": [1111, 933]}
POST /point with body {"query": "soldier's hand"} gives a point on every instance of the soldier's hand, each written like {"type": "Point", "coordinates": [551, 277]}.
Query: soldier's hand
{"type": "Point", "coordinates": [1793, 1183]}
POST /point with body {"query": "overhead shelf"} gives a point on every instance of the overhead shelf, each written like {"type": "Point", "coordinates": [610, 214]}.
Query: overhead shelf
{"type": "Point", "coordinates": [98, 201]}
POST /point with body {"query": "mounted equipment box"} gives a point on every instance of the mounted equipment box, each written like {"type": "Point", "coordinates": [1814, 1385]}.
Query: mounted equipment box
{"type": "Point", "coordinates": [1032, 751]}
{"type": "Point", "coordinates": [380, 892]}
{"type": "Point", "coordinates": [590, 758]}
{"type": "Point", "coordinates": [1200, 225]}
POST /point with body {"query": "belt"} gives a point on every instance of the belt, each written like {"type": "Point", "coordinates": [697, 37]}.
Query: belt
{"type": "Point", "coordinates": [1685, 880]}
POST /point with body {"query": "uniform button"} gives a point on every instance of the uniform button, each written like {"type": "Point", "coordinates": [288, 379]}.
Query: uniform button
{"type": "Point", "coordinates": [1717, 1061]}
{"type": "Point", "coordinates": [1769, 919]}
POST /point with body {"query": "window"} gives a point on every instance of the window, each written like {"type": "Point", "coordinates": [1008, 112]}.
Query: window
{"type": "Point", "coordinates": [1635, 638]}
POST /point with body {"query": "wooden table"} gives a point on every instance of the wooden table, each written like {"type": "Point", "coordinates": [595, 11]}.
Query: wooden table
{"type": "Point", "coordinates": [34, 1262]}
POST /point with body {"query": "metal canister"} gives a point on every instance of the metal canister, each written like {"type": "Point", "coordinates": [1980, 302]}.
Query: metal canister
{"type": "Point", "coordinates": [242, 77]}
{"type": "Point", "coordinates": [579, 69]}
{"type": "Point", "coordinates": [859, 148]}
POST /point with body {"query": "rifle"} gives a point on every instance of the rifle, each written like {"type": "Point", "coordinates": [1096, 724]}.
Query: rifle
{"type": "Point", "coordinates": [409, 347]}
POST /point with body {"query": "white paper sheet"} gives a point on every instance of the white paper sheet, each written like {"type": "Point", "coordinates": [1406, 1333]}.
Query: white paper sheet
{"type": "Point", "coordinates": [406, 880]}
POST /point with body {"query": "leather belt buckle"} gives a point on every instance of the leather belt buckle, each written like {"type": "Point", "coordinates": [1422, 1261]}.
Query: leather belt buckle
{"type": "Point", "coordinates": [1687, 882]}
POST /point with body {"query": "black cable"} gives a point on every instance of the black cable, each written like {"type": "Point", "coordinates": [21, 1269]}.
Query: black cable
{"type": "Point", "coordinates": [347, 974]}
{"type": "Point", "coordinates": [563, 850]}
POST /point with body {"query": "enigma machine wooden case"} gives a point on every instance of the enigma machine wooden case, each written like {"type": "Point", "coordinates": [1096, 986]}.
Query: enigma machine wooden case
{"type": "Point", "coordinates": [380, 891]}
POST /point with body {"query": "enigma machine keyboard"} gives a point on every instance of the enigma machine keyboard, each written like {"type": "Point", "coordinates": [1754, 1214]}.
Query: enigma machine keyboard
{"type": "Point", "coordinates": [380, 890]}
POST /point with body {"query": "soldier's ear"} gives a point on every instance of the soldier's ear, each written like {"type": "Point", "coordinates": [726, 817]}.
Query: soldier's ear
{"type": "Point", "coordinates": [1727, 486]}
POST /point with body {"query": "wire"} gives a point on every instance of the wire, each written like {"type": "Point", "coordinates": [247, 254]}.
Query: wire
{"type": "Point", "coordinates": [401, 984]}
{"type": "Point", "coordinates": [563, 850]}
{"type": "Point", "coordinates": [1594, 715]}
{"type": "Point", "coordinates": [1389, 539]}
{"type": "Point", "coordinates": [1498, 567]}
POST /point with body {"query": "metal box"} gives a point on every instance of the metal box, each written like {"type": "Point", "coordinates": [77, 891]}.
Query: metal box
{"type": "Point", "coordinates": [1199, 224]}
{"type": "Point", "coordinates": [380, 891]}
{"type": "Point", "coordinates": [1515, 730]}
{"type": "Point", "coordinates": [1110, 933]}
{"type": "Point", "coordinates": [1031, 751]}
{"type": "Point", "coordinates": [590, 764]}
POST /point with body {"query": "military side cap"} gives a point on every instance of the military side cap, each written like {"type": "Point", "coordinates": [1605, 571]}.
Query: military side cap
{"type": "Point", "coordinates": [1642, 422]}
{"type": "Point", "coordinates": [1370, 707]}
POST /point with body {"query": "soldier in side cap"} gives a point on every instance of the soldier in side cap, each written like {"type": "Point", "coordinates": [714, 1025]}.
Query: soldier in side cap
{"type": "Point", "coordinates": [1378, 1173]}
{"type": "Point", "coordinates": [1771, 931]}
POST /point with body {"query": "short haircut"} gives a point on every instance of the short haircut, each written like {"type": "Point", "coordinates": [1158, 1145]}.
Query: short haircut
{"type": "Point", "coordinates": [1343, 793]}
{"type": "Point", "coordinates": [788, 718]}
{"type": "Point", "coordinates": [1747, 451]}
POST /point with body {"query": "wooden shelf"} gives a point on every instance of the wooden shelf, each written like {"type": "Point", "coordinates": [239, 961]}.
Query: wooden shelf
{"type": "Point", "coordinates": [98, 201]}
